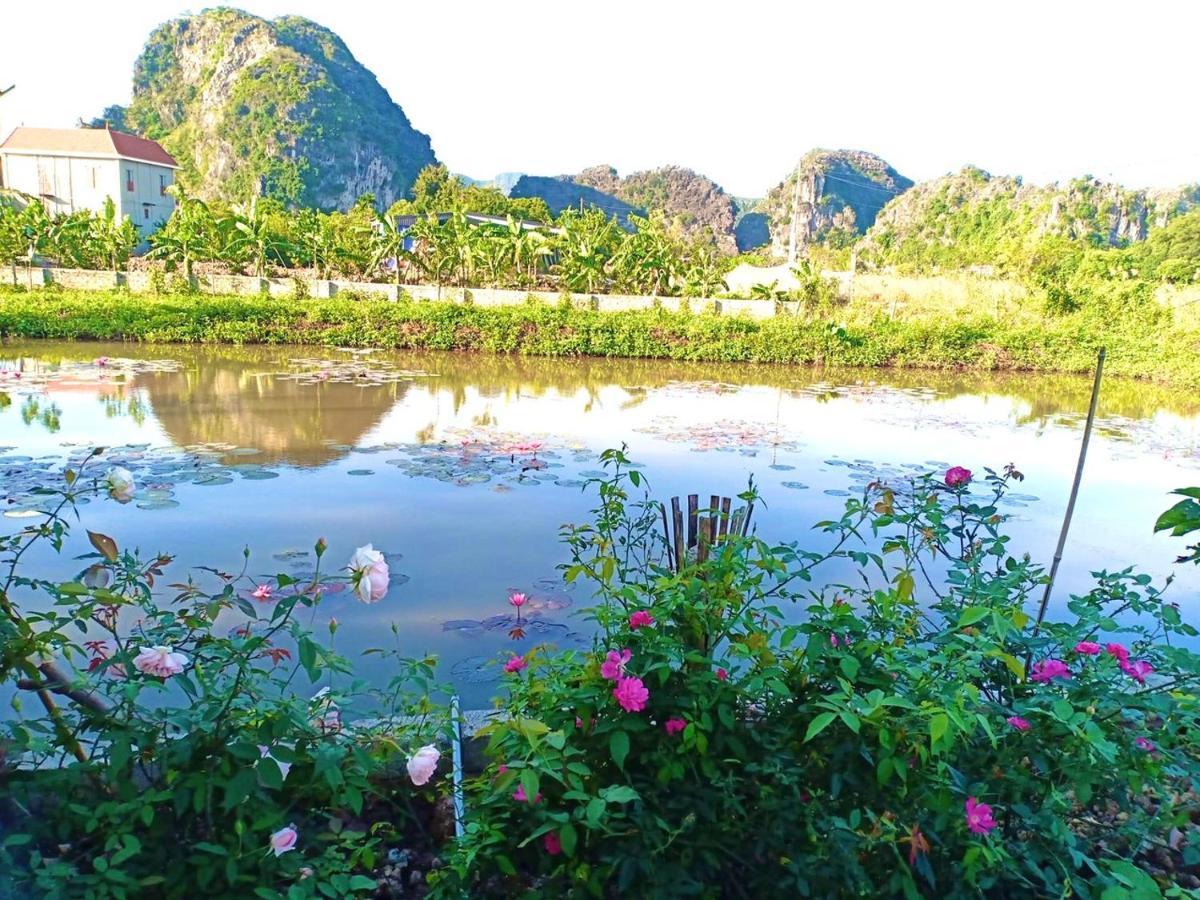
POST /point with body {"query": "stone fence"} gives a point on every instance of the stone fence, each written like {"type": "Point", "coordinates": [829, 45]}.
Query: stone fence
{"type": "Point", "coordinates": [245, 286]}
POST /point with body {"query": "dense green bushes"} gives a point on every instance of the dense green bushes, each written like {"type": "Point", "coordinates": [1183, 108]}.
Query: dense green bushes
{"type": "Point", "coordinates": [1139, 344]}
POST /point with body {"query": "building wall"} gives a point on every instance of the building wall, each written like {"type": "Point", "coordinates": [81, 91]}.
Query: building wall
{"type": "Point", "coordinates": [146, 204]}
{"type": "Point", "coordinates": [70, 184]}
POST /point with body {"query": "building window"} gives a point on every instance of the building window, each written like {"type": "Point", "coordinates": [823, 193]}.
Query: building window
{"type": "Point", "coordinates": [93, 171]}
{"type": "Point", "coordinates": [146, 212]}
{"type": "Point", "coordinates": [129, 180]}
{"type": "Point", "coordinates": [162, 185]}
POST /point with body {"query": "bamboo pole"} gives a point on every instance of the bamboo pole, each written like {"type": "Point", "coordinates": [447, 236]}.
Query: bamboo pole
{"type": "Point", "coordinates": [1066, 526]}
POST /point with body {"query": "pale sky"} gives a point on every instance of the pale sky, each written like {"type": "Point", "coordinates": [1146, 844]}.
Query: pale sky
{"type": "Point", "coordinates": [736, 90]}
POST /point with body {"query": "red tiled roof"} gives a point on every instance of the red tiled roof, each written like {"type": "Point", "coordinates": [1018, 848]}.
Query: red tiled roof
{"type": "Point", "coordinates": [87, 142]}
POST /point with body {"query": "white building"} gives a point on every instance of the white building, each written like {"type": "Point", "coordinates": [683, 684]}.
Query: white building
{"type": "Point", "coordinates": [71, 169]}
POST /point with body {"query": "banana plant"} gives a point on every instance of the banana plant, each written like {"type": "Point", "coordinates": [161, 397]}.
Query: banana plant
{"type": "Point", "coordinates": [113, 241]}
{"type": "Point", "coordinates": [190, 234]}
{"type": "Point", "coordinates": [253, 237]}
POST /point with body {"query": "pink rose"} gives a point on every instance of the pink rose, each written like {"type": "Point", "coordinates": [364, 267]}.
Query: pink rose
{"type": "Point", "coordinates": [957, 476]}
{"type": "Point", "coordinates": [284, 840]}
{"type": "Point", "coordinates": [369, 574]}
{"type": "Point", "coordinates": [613, 666]}
{"type": "Point", "coordinates": [1144, 743]}
{"type": "Point", "coordinates": [640, 619]}
{"type": "Point", "coordinates": [120, 484]}
{"type": "Point", "coordinates": [979, 817]}
{"type": "Point", "coordinates": [1018, 723]}
{"type": "Point", "coordinates": [552, 843]}
{"type": "Point", "coordinates": [515, 664]}
{"type": "Point", "coordinates": [631, 694]}
{"type": "Point", "coordinates": [1087, 648]}
{"type": "Point", "coordinates": [1049, 669]}
{"type": "Point", "coordinates": [162, 662]}
{"type": "Point", "coordinates": [421, 765]}
{"type": "Point", "coordinates": [262, 593]}
{"type": "Point", "coordinates": [517, 599]}
{"type": "Point", "coordinates": [521, 797]}
{"type": "Point", "coordinates": [722, 675]}
{"type": "Point", "coordinates": [1117, 652]}
{"type": "Point", "coordinates": [1137, 670]}
{"type": "Point", "coordinates": [675, 725]}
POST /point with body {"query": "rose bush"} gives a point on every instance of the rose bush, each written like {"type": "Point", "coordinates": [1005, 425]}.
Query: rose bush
{"type": "Point", "coordinates": [919, 732]}
{"type": "Point", "coordinates": [166, 740]}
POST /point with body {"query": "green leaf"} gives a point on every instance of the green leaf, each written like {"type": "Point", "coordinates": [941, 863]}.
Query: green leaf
{"type": "Point", "coordinates": [362, 883]}
{"type": "Point", "coordinates": [851, 720]}
{"type": "Point", "coordinates": [269, 772]}
{"type": "Point", "coordinates": [530, 783]}
{"type": "Point", "coordinates": [594, 813]}
{"type": "Point", "coordinates": [819, 724]}
{"type": "Point", "coordinates": [938, 726]}
{"type": "Point", "coordinates": [569, 838]}
{"type": "Point", "coordinates": [619, 793]}
{"type": "Point", "coordinates": [618, 746]}
{"type": "Point", "coordinates": [849, 666]}
{"type": "Point", "coordinates": [973, 614]}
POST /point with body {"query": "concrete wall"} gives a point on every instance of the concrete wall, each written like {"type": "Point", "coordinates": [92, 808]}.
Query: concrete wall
{"type": "Point", "coordinates": [244, 286]}
{"type": "Point", "coordinates": [146, 204]}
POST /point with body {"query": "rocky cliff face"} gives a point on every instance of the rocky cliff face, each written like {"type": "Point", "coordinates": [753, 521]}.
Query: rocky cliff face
{"type": "Point", "coordinates": [564, 192]}
{"type": "Point", "coordinates": [835, 196]}
{"type": "Point", "coordinates": [973, 218]}
{"type": "Point", "coordinates": [696, 202]}
{"type": "Point", "coordinates": [273, 107]}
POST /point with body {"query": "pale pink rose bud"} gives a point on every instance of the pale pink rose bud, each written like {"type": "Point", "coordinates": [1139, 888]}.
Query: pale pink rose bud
{"type": "Point", "coordinates": [421, 765]}
{"type": "Point", "coordinates": [162, 662]}
{"type": "Point", "coordinates": [369, 574]}
{"type": "Point", "coordinates": [119, 482]}
{"type": "Point", "coordinates": [284, 840]}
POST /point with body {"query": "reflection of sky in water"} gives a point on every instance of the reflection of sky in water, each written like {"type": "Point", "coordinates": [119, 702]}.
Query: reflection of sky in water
{"type": "Point", "coordinates": [697, 428]}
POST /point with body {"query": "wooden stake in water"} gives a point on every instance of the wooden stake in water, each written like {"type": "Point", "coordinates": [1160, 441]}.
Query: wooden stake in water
{"type": "Point", "coordinates": [1066, 526]}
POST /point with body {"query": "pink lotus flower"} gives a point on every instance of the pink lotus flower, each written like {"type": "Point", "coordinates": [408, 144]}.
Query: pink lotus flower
{"type": "Point", "coordinates": [957, 476]}
{"type": "Point", "coordinates": [979, 817]}
{"type": "Point", "coordinates": [369, 574]}
{"type": "Point", "coordinates": [1049, 669]}
{"type": "Point", "coordinates": [552, 843]}
{"type": "Point", "coordinates": [631, 694]}
{"type": "Point", "coordinates": [515, 664]}
{"type": "Point", "coordinates": [1018, 723]}
{"type": "Point", "coordinates": [613, 666]}
{"type": "Point", "coordinates": [640, 619]}
{"type": "Point", "coordinates": [675, 725]}
{"type": "Point", "coordinates": [102, 361]}
{"type": "Point", "coordinates": [262, 593]}
{"type": "Point", "coordinates": [521, 797]}
{"type": "Point", "coordinates": [422, 764]}
{"type": "Point", "coordinates": [161, 662]}
{"type": "Point", "coordinates": [722, 675]}
{"type": "Point", "coordinates": [1137, 670]}
{"type": "Point", "coordinates": [517, 599]}
{"type": "Point", "coordinates": [284, 840]}
{"type": "Point", "coordinates": [1117, 651]}
{"type": "Point", "coordinates": [1144, 743]}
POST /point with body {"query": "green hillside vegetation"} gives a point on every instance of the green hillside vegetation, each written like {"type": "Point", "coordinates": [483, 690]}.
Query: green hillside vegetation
{"type": "Point", "coordinates": [277, 108]}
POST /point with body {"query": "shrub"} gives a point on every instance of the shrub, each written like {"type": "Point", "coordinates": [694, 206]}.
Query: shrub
{"type": "Point", "coordinates": [175, 752]}
{"type": "Point", "coordinates": [919, 733]}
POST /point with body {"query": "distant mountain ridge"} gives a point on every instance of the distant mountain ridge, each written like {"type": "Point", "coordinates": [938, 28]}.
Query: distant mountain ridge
{"type": "Point", "coordinates": [973, 218]}
{"type": "Point", "coordinates": [831, 197]}
{"type": "Point", "coordinates": [274, 107]}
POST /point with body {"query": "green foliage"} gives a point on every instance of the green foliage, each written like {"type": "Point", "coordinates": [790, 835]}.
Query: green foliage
{"type": "Point", "coordinates": [1183, 518]}
{"type": "Point", "coordinates": [135, 784]}
{"type": "Point", "coordinates": [79, 240]}
{"type": "Point", "coordinates": [837, 756]}
{"type": "Point", "coordinates": [1137, 344]}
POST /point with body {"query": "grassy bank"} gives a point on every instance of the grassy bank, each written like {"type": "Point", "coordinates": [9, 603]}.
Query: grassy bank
{"type": "Point", "coordinates": [1137, 347]}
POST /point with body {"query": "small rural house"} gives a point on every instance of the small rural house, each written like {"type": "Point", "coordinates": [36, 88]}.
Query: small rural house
{"type": "Point", "coordinates": [72, 169]}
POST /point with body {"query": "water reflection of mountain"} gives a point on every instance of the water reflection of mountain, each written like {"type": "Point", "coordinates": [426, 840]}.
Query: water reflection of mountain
{"type": "Point", "coordinates": [215, 398]}
{"type": "Point", "coordinates": [233, 395]}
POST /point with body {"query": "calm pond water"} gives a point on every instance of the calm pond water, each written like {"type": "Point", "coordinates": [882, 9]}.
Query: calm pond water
{"type": "Point", "coordinates": [272, 448]}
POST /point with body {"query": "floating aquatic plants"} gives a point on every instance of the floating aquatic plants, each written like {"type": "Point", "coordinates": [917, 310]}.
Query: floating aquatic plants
{"type": "Point", "coordinates": [357, 370]}
{"type": "Point", "coordinates": [726, 434]}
